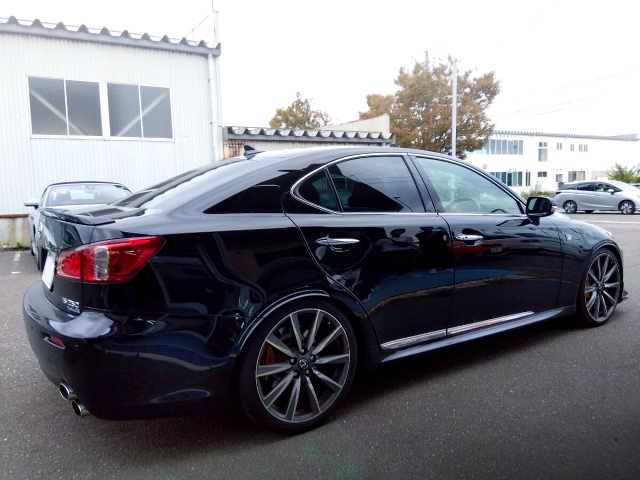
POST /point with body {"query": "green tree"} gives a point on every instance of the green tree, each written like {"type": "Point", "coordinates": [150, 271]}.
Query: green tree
{"type": "Point", "coordinates": [420, 111]}
{"type": "Point", "coordinates": [300, 115]}
{"type": "Point", "coordinates": [622, 173]}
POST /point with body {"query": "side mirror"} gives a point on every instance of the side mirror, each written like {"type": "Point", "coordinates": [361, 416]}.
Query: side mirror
{"type": "Point", "coordinates": [611, 191]}
{"type": "Point", "coordinates": [31, 203]}
{"type": "Point", "coordinates": [539, 207]}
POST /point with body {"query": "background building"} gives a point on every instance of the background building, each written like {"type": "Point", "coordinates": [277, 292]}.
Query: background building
{"type": "Point", "coordinates": [540, 161]}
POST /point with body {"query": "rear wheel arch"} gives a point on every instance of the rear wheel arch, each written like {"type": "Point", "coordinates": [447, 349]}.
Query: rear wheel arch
{"type": "Point", "coordinates": [362, 327]}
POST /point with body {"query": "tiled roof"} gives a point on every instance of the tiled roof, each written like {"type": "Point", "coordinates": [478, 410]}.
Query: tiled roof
{"type": "Point", "coordinates": [299, 135]}
{"type": "Point", "coordinates": [104, 35]}
{"type": "Point", "coordinates": [630, 138]}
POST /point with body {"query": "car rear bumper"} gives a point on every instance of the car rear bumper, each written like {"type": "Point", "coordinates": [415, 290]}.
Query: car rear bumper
{"type": "Point", "coordinates": [117, 374]}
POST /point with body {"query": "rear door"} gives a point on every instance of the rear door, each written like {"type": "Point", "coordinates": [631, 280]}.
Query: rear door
{"type": "Point", "coordinates": [586, 196]}
{"type": "Point", "coordinates": [506, 266]}
{"type": "Point", "coordinates": [377, 238]}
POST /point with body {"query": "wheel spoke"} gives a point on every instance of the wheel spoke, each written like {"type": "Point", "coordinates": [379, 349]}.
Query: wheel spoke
{"type": "Point", "coordinates": [603, 267]}
{"type": "Point", "coordinates": [265, 370]}
{"type": "Point", "coordinates": [327, 340]}
{"type": "Point", "coordinates": [603, 304]}
{"type": "Point", "coordinates": [592, 275]}
{"type": "Point", "coordinates": [293, 400]}
{"type": "Point", "coordinates": [591, 301]}
{"type": "Point", "coordinates": [610, 273]}
{"type": "Point", "coordinates": [589, 289]}
{"type": "Point", "coordinates": [314, 329]}
{"type": "Point", "coordinates": [295, 325]}
{"type": "Point", "coordinates": [336, 387]}
{"type": "Point", "coordinates": [344, 358]}
{"type": "Point", "coordinates": [278, 389]}
{"type": "Point", "coordinates": [277, 343]}
{"type": "Point", "coordinates": [311, 394]}
{"type": "Point", "coordinates": [611, 285]}
{"type": "Point", "coordinates": [597, 305]}
{"type": "Point", "coordinates": [611, 299]}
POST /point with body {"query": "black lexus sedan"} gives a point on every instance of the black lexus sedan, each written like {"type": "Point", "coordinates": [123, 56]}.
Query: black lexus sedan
{"type": "Point", "coordinates": [271, 278]}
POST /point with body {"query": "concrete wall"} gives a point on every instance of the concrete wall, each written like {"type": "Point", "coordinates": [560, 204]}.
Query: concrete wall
{"type": "Point", "coordinates": [14, 230]}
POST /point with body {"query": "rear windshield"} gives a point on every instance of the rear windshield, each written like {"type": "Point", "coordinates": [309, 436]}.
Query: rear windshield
{"type": "Point", "coordinates": [85, 194]}
{"type": "Point", "coordinates": [174, 188]}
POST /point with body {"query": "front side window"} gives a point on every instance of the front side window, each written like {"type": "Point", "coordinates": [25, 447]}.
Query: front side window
{"type": "Point", "coordinates": [64, 107]}
{"type": "Point", "coordinates": [375, 184]}
{"type": "Point", "coordinates": [460, 190]}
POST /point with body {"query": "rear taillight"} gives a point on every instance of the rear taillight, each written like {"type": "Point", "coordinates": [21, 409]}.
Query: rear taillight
{"type": "Point", "coordinates": [113, 261]}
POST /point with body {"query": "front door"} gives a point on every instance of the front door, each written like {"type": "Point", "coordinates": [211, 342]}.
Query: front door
{"type": "Point", "coordinates": [507, 267]}
{"type": "Point", "coordinates": [378, 242]}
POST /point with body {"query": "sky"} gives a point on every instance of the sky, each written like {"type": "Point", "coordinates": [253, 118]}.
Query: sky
{"type": "Point", "coordinates": [565, 66]}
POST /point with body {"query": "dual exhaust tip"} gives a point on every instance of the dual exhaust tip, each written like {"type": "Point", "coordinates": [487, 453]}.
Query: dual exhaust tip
{"type": "Point", "coordinates": [69, 395]}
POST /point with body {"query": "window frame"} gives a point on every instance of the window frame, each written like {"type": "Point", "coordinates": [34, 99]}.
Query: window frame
{"type": "Point", "coordinates": [436, 199]}
{"type": "Point", "coordinates": [104, 111]}
{"type": "Point", "coordinates": [414, 172]}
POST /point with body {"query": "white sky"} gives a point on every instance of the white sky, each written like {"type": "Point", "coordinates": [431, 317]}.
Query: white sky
{"type": "Point", "coordinates": [550, 55]}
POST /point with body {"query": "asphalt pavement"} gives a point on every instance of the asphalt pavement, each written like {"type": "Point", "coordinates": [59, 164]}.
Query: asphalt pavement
{"type": "Point", "coordinates": [554, 400]}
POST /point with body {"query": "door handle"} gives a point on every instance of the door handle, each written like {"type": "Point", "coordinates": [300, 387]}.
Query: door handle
{"type": "Point", "coordinates": [469, 238]}
{"type": "Point", "coordinates": [337, 244]}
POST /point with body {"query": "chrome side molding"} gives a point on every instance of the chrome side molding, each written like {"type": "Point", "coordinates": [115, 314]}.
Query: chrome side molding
{"type": "Point", "coordinates": [405, 342]}
{"type": "Point", "coordinates": [486, 323]}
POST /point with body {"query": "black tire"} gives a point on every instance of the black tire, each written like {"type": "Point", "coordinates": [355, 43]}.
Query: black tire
{"type": "Point", "coordinates": [570, 206]}
{"type": "Point", "coordinates": [311, 392]}
{"type": "Point", "coordinates": [627, 207]}
{"type": "Point", "coordinates": [588, 211]}
{"type": "Point", "coordinates": [605, 284]}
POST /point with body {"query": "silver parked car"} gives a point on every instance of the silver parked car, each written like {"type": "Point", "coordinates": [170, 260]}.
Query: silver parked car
{"type": "Point", "coordinates": [68, 196]}
{"type": "Point", "coordinates": [598, 195]}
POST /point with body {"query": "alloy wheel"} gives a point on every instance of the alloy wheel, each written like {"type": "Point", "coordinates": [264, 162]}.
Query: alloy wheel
{"type": "Point", "coordinates": [602, 287]}
{"type": "Point", "coordinates": [627, 207]}
{"type": "Point", "coordinates": [303, 365]}
{"type": "Point", "coordinates": [570, 207]}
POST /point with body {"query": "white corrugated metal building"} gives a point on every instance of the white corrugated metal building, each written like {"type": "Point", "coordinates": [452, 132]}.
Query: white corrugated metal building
{"type": "Point", "coordinates": [90, 104]}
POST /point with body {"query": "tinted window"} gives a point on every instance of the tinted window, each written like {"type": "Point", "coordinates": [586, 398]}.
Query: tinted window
{"type": "Point", "coordinates": [461, 190]}
{"type": "Point", "coordinates": [376, 184]}
{"type": "Point", "coordinates": [317, 190]}
{"type": "Point", "coordinates": [586, 187]}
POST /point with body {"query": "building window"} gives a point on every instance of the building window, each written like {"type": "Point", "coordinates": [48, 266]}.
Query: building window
{"type": "Point", "coordinates": [503, 147]}
{"type": "Point", "coordinates": [582, 148]}
{"type": "Point", "coordinates": [559, 177]}
{"type": "Point", "coordinates": [511, 179]}
{"type": "Point", "coordinates": [542, 152]}
{"type": "Point", "coordinates": [575, 175]}
{"type": "Point", "coordinates": [139, 111]}
{"type": "Point", "coordinates": [558, 146]}
{"type": "Point", "coordinates": [542, 174]}
{"type": "Point", "coordinates": [74, 108]}
{"type": "Point", "coordinates": [572, 147]}
{"type": "Point", "coordinates": [64, 107]}
{"type": "Point", "coordinates": [528, 179]}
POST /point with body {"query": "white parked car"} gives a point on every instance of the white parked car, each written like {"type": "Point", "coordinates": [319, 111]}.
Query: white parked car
{"type": "Point", "coordinates": [598, 195]}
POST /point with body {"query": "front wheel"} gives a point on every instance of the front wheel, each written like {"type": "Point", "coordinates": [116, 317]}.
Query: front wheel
{"type": "Point", "coordinates": [627, 207]}
{"type": "Point", "coordinates": [298, 367]}
{"type": "Point", "coordinates": [600, 289]}
{"type": "Point", "coordinates": [570, 206]}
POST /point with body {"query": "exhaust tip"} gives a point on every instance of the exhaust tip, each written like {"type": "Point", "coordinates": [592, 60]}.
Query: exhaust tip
{"type": "Point", "coordinates": [79, 409]}
{"type": "Point", "coordinates": [67, 392]}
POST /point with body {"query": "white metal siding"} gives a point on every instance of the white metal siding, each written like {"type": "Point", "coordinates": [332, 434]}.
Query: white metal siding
{"type": "Point", "coordinates": [28, 165]}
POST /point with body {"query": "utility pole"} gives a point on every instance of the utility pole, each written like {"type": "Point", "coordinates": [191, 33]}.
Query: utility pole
{"type": "Point", "coordinates": [454, 114]}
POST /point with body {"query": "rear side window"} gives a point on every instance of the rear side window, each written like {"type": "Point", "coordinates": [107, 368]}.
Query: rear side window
{"type": "Point", "coordinates": [376, 184]}
{"type": "Point", "coordinates": [317, 190]}
{"type": "Point", "coordinates": [586, 187]}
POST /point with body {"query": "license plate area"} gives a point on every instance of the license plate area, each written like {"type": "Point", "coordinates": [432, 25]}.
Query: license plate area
{"type": "Point", "coordinates": [49, 270]}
